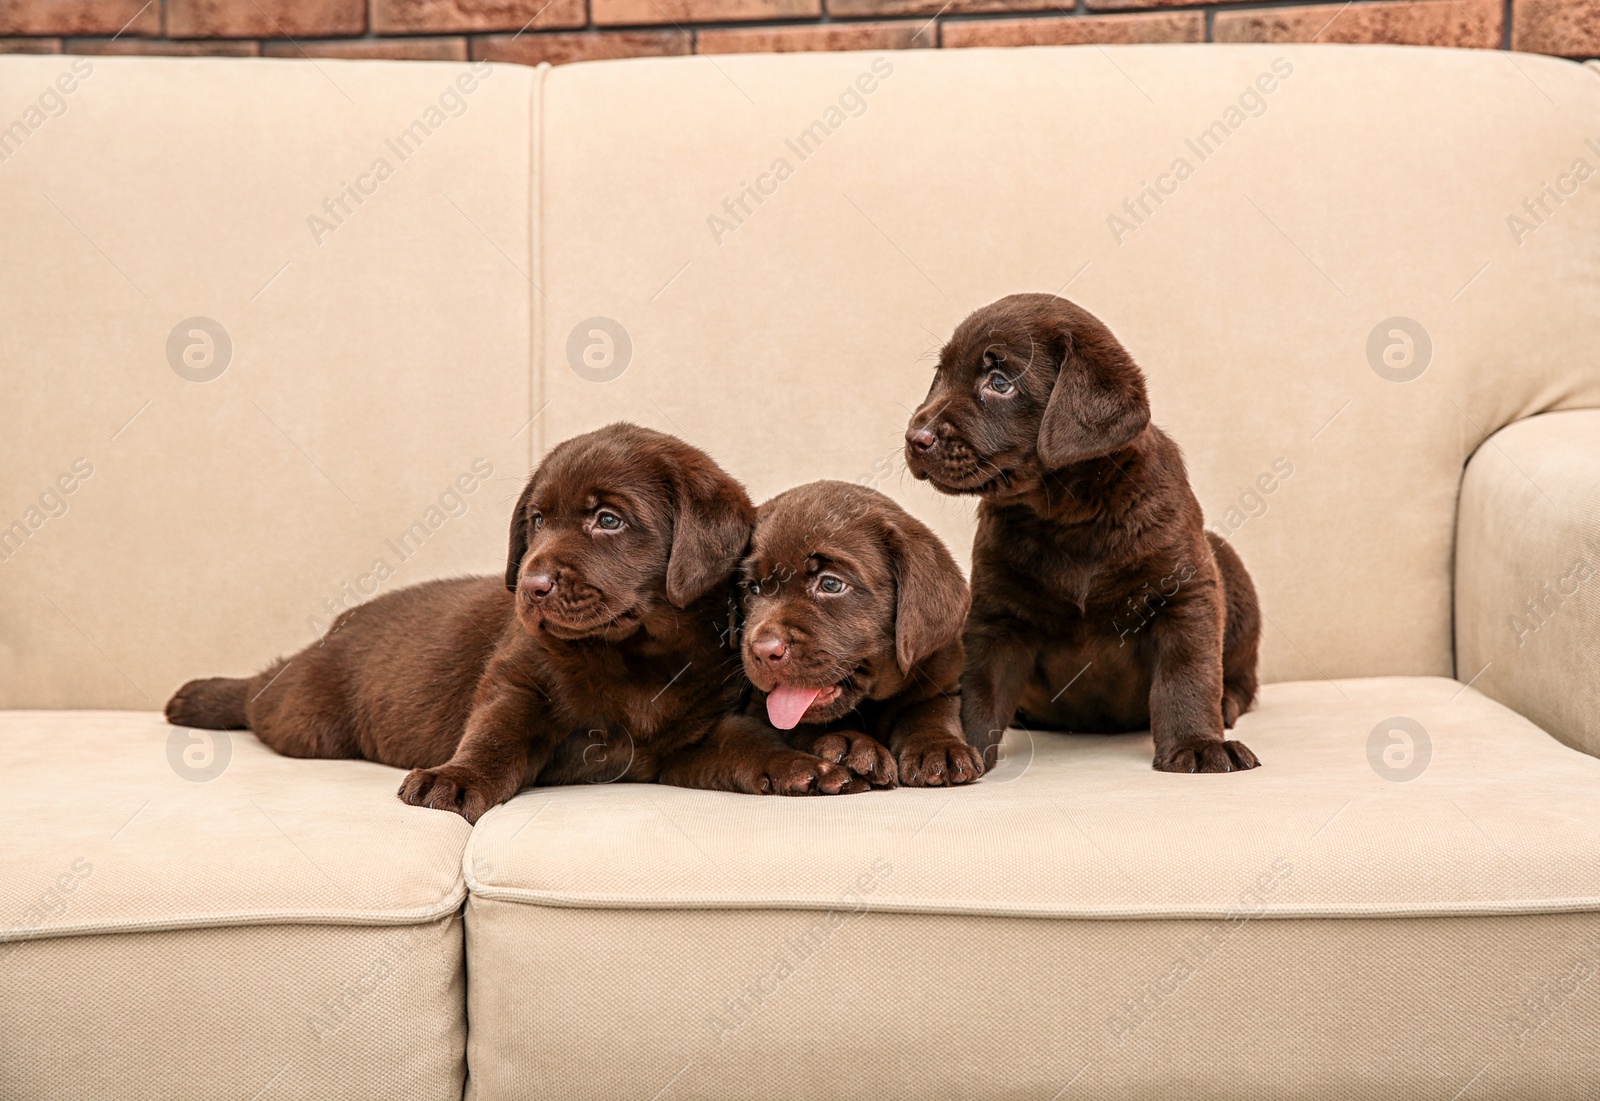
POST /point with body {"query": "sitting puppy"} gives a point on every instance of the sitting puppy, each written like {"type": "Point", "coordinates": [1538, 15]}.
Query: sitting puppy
{"type": "Point", "coordinates": [852, 635]}
{"type": "Point", "coordinates": [604, 654]}
{"type": "Point", "coordinates": [1099, 601]}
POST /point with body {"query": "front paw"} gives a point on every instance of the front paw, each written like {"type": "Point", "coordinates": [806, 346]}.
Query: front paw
{"type": "Point", "coordinates": [937, 760]}
{"type": "Point", "coordinates": [1205, 755]}
{"type": "Point", "coordinates": [447, 788]}
{"type": "Point", "coordinates": [791, 772]}
{"type": "Point", "coordinates": [862, 754]}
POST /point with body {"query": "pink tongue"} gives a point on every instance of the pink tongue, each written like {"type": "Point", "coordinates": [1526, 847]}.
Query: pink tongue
{"type": "Point", "coordinates": [786, 705]}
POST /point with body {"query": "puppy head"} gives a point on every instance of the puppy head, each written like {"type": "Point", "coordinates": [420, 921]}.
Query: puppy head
{"type": "Point", "coordinates": [844, 593]}
{"type": "Point", "coordinates": [620, 523]}
{"type": "Point", "coordinates": [1028, 384]}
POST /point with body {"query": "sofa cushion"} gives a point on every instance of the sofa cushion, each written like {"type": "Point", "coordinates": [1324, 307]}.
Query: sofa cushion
{"type": "Point", "coordinates": [159, 884]}
{"type": "Point", "coordinates": [279, 376]}
{"type": "Point", "coordinates": [1499, 819]}
{"type": "Point", "coordinates": [816, 234]}
{"type": "Point", "coordinates": [1413, 856]}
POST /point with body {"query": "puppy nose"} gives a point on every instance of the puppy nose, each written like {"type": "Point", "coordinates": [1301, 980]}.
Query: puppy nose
{"type": "Point", "coordinates": [540, 585]}
{"type": "Point", "coordinates": [921, 439]}
{"type": "Point", "coordinates": [772, 648]}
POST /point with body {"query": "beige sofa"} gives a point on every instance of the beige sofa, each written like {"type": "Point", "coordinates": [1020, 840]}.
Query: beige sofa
{"type": "Point", "coordinates": [279, 335]}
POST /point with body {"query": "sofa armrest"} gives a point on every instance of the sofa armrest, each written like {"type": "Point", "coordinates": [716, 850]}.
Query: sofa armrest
{"type": "Point", "coordinates": [1527, 582]}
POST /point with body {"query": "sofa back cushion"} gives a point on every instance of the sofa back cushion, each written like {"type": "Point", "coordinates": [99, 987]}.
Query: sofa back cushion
{"type": "Point", "coordinates": [786, 241]}
{"type": "Point", "coordinates": [418, 277]}
{"type": "Point", "coordinates": [263, 355]}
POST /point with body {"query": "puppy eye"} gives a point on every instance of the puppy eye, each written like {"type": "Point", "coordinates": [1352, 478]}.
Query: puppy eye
{"type": "Point", "coordinates": [998, 383]}
{"type": "Point", "coordinates": [606, 520]}
{"type": "Point", "coordinates": [538, 521]}
{"type": "Point", "coordinates": [831, 585]}
{"type": "Point", "coordinates": [753, 588]}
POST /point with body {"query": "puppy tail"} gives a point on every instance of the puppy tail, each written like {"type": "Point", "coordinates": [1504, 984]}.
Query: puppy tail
{"type": "Point", "coordinates": [215, 703]}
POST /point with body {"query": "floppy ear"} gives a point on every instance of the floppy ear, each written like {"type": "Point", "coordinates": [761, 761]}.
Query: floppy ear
{"type": "Point", "coordinates": [1098, 403]}
{"type": "Point", "coordinates": [931, 596]}
{"type": "Point", "coordinates": [519, 538]}
{"type": "Point", "coordinates": [711, 528]}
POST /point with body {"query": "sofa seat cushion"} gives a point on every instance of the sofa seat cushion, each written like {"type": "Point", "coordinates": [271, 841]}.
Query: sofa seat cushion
{"type": "Point", "coordinates": [1499, 818]}
{"type": "Point", "coordinates": [1075, 925]}
{"type": "Point", "coordinates": [158, 885]}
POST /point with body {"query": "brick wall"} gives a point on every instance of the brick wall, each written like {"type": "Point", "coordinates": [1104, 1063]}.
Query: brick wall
{"type": "Point", "coordinates": [531, 31]}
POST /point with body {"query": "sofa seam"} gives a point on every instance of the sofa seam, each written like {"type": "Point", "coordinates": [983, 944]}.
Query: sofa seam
{"type": "Point", "coordinates": [937, 908]}
{"type": "Point", "coordinates": [450, 904]}
{"type": "Point", "coordinates": [536, 233]}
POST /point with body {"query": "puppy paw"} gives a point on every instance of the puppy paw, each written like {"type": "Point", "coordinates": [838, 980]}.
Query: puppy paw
{"type": "Point", "coordinates": [446, 788]}
{"type": "Point", "coordinates": [1205, 755]}
{"type": "Point", "coordinates": [937, 760]}
{"type": "Point", "coordinates": [862, 754]}
{"type": "Point", "coordinates": [796, 773]}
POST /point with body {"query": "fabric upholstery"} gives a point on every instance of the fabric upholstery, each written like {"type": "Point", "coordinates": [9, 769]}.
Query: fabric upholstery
{"type": "Point", "coordinates": [1372, 182]}
{"type": "Point", "coordinates": [1330, 925]}
{"type": "Point", "coordinates": [372, 364]}
{"type": "Point", "coordinates": [190, 919]}
{"type": "Point", "coordinates": [259, 1013]}
{"type": "Point", "coordinates": [1528, 573]}
{"type": "Point", "coordinates": [683, 1005]}
{"type": "Point", "coordinates": [1498, 820]}
{"type": "Point", "coordinates": [268, 839]}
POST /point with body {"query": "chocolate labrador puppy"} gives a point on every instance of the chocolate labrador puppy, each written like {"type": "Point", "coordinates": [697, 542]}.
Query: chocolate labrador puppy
{"type": "Point", "coordinates": [605, 653]}
{"type": "Point", "coordinates": [852, 635]}
{"type": "Point", "coordinates": [1099, 602]}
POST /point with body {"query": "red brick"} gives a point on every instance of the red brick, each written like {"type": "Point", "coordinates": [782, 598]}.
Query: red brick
{"type": "Point", "coordinates": [1411, 22]}
{"type": "Point", "coordinates": [612, 12]}
{"type": "Point", "coordinates": [160, 47]}
{"type": "Point", "coordinates": [394, 49]}
{"type": "Point", "coordinates": [1078, 30]}
{"type": "Point", "coordinates": [30, 45]}
{"type": "Point", "coordinates": [265, 18]}
{"type": "Point", "coordinates": [413, 16]}
{"type": "Point", "coordinates": [560, 49]}
{"type": "Point", "coordinates": [61, 17]}
{"type": "Point", "coordinates": [1139, 5]}
{"type": "Point", "coordinates": [1567, 28]}
{"type": "Point", "coordinates": [906, 35]}
{"type": "Point", "coordinates": [938, 7]}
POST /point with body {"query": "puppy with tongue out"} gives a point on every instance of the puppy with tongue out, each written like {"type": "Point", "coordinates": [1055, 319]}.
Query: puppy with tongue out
{"type": "Point", "coordinates": [852, 635]}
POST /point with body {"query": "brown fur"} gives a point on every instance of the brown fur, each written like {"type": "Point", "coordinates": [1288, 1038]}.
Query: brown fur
{"type": "Point", "coordinates": [601, 655]}
{"type": "Point", "coordinates": [889, 642]}
{"type": "Point", "coordinates": [1099, 601]}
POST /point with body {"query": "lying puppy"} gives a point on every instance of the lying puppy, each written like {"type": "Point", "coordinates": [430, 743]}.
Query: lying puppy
{"type": "Point", "coordinates": [604, 654]}
{"type": "Point", "coordinates": [852, 635]}
{"type": "Point", "coordinates": [1099, 601]}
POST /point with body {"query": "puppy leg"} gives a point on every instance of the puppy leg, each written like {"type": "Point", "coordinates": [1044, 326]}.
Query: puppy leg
{"type": "Point", "coordinates": [507, 741]}
{"type": "Point", "coordinates": [299, 707]}
{"type": "Point", "coordinates": [997, 669]}
{"type": "Point", "coordinates": [1186, 690]}
{"type": "Point", "coordinates": [928, 746]}
{"type": "Point", "coordinates": [214, 703]}
{"type": "Point", "coordinates": [1241, 635]}
{"type": "Point", "coordinates": [746, 755]}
